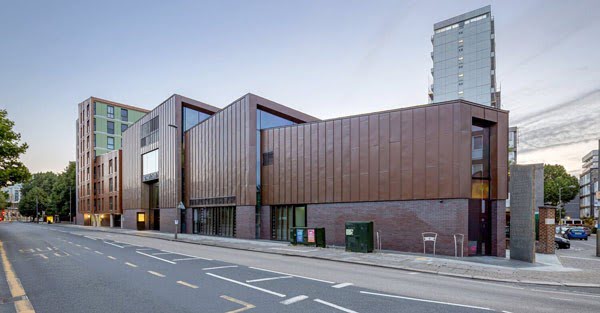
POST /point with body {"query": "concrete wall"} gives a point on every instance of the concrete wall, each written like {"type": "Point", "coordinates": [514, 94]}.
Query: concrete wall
{"type": "Point", "coordinates": [525, 184]}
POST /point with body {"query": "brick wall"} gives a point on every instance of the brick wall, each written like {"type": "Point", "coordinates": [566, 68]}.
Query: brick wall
{"type": "Point", "coordinates": [265, 222]}
{"type": "Point", "coordinates": [498, 224]}
{"type": "Point", "coordinates": [545, 243]}
{"type": "Point", "coordinates": [400, 223]}
{"type": "Point", "coordinates": [245, 217]}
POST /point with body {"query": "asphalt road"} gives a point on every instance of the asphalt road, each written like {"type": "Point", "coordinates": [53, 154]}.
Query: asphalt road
{"type": "Point", "coordinates": [70, 270]}
{"type": "Point", "coordinates": [582, 254]}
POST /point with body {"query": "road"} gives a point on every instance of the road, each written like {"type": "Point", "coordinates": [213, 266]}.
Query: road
{"type": "Point", "coordinates": [582, 254]}
{"type": "Point", "coordinates": [71, 270]}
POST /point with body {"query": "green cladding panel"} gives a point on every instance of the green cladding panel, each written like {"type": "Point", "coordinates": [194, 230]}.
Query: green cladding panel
{"type": "Point", "coordinates": [101, 120]}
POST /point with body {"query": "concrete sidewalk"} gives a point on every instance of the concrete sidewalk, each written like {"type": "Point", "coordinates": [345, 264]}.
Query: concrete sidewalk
{"type": "Point", "coordinates": [546, 271]}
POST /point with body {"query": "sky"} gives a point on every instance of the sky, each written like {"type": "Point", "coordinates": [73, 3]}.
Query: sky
{"type": "Point", "coordinates": [326, 58]}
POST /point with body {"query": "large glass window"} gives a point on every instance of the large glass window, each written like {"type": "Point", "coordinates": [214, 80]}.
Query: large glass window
{"type": "Point", "coordinates": [266, 120]}
{"type": "Point", "coordinates": [215, 221]}
{"type": "Point", "coordinates": [480, 204]}
{"type": "Point", "coordinates": [123, 128]}
{"type": "Point", "coordinates": [150, 162]}
{"type": "Point", "coordinates": [284, 217]}
{"type": "Point", "coordinates": [110, 111]}
{"type": "Point", "coordinates": [192, 117]}
{"type": "Point", "coordinates": [149, 132]}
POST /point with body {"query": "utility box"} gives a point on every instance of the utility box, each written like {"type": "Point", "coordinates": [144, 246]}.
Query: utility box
{"type": "Point", "coordinates": [359, 237]}
{"type": "Point", "coordinates": [308, 236]}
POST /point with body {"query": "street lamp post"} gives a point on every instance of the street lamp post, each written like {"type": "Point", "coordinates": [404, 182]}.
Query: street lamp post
{"type": "Point", "coordinates": [560, 202]}
{"type": "Point", "coordinates": [180, 207]}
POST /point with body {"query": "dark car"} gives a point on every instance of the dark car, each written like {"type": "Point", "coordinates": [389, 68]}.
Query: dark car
{"type": "Point", "coordinates": [561, 243]}
{"type": "Point", "coordinates": [576, 233]}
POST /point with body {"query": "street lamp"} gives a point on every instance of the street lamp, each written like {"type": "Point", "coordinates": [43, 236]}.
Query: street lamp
{"type": "Point", "coordinates": [180, 207]}
{"type": "Point", "coordinates": [560, 202]}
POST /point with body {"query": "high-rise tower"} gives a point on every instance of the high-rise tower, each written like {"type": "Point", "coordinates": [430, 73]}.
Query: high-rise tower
{"type": "Point", "coordinates": [464, 60]}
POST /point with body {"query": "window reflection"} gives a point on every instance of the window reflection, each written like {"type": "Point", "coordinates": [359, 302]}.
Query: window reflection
{"type": "Point", "coordinates": [192, 118]}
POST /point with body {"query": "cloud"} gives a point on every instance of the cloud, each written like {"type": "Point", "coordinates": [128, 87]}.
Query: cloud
{"type": "Point", "coordinates": [560, 126]}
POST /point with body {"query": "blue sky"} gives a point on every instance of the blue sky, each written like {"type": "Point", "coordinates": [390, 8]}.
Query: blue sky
{"type": "Point", "coordinates": [326, 58]}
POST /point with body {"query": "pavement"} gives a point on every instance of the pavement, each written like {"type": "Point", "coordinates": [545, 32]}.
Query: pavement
{"type": "Point", "coordinates": [74, 269]}
{"type": "Point", "coordinates": [567, 267]}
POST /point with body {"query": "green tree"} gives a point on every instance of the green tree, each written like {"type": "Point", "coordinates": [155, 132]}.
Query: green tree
{"type": "Point", "coordinates": [555, 178]}
{"type": "Point", "coordinates": [40, 187]}
{"type": "Point", "coordinates": [11, 169]}
{"type": "Point", "coordinates": [3, 200]}
{"type": "Point", "coordinates": [34, 201]}
{"type": "Point", "coordinates": [63, 189]}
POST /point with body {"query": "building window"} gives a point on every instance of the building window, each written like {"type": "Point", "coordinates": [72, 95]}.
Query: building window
{"type": "Point", "coordinates": [284, 217]}
{"type": "Point", "coordinates": [150, 162]}
{"type": "Point", "coordinates": [216, 221]}
{"type": "Point", "coordinates": [110, 167]}
{"type": "Point", "coordinates": [110, 184]}
{"type": "Point", "coordinates": [116, 167]}
{"type": "Point", "coordinates": [149, 132]}
{"type": "Point", "coordinates": [267, 158]}
{"type": "Point", "coordinates": [123, 127]}
{"type": "Point", "coordinates": [110, 203]}
{"type": "Point", "coordinates": [110, 127]}
{"type": "Point", "coordinates": [110, 111]}
{"type": "Point", "coordinates": [124, 115]}
{"type": "Point", "coordinates": [110, 143]}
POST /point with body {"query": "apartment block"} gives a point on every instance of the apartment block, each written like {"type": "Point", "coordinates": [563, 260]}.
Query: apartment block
{"type": "Point", "coordinates": [464, 59]}
{"type": "Point", "coordinates": [99, 128]}
{"type": "Point", "coordinates": [588, 184]}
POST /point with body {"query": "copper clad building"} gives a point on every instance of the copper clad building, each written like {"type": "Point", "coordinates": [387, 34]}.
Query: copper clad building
{"type": "Point", "coordinates": [256, 168]}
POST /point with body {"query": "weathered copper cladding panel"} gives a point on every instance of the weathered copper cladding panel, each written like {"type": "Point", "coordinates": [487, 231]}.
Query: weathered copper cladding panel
{"type": "Point", "coordinates": [415, 153]}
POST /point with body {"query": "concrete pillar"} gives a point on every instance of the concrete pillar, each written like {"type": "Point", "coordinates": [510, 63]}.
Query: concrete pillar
{"type": "Point", "coordinates": [546, 229]}
{"type": "Point", "coordinates": [112, 220]}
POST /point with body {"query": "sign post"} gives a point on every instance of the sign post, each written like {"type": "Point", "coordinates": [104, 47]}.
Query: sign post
{"type": "Point", "coordinates": [180, 208]}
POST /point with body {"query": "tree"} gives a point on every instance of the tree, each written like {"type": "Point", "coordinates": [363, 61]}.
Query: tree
{"type": "Point", "coordinates": [3, 201]}
{"type": "Point", "coordinates": [38, 188]}
{"type": "Point", "coordinates": [555, 178]}
{"type": "Point", "coordinates": [11, 169]}
{"type": "Point", "coordinates": [63, 189]}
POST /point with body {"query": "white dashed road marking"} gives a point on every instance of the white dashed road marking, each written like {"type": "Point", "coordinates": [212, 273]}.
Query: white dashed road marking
{"type": "Point", "coordinates": [268, 278]}
{"type": "Point", "coordinates": [112, 257]}
{"type": "Point", "coordinates": [187, 284]}
{"type": "Point", "coordinates": [155, 257]}
{"type": "Point", "coordinates": [131, 264]}
{"type": "Point", "coordinates": [218, 267]}
{"type": "Point", "coordinates": [309, 278]}
{"type": "Point", "coordinates": [294, 300]}
{"type": "Point", "coordinates": [98, 252]}
{"type": "Point", "coordinates": [247, 285]}
{"type": "Point", "coordinates": [342, 285]}
{"type": "Point", "coordinates": [335, 306]}
{"type": "Point", "coordinates": [156, 274]}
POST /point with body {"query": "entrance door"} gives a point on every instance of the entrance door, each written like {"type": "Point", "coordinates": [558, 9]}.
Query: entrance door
{"type": "Point", "coordinates": [154, 207]}
{"type": "Point", "coordinates": [480, 227]}
{"type": "Point", "coordinates": [155, 219]}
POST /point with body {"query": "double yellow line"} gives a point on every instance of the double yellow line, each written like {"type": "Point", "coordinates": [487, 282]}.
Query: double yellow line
{"type": "Point", "coordinates": [22, 305]}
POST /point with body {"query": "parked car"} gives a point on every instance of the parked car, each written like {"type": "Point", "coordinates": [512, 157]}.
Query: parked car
{"type": "Point", "coordinates": [588, 231]}
{"type": "Point", "coordinates": [560, 230]}
{"type": "Point", "coordinates": [561, 243]}
{"type": "Point", "coordinates": [576, 233]}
